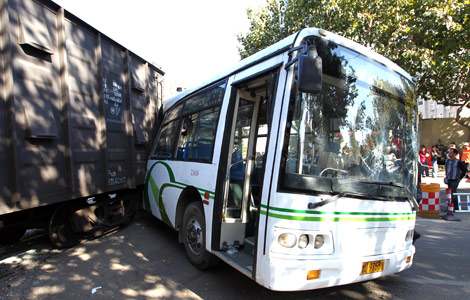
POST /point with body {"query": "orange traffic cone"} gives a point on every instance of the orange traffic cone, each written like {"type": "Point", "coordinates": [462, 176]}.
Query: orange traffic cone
{"type": "Point", "coordinates": [450, 207]}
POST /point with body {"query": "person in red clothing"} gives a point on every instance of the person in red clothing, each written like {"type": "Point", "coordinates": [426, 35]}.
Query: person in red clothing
{"type": "Point", "coordinates": [428, 160]}
{"type": "Point", "coordinates": [423, 161]}
{"type": "Point", "coordinates": [466, 156]}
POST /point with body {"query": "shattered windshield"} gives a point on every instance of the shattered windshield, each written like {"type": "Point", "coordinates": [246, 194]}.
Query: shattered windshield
{"type": "Point", "coordinates": [358, 135]}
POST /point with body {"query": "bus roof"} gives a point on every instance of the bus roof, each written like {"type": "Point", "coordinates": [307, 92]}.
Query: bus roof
{"type": "Point", "coordinates": [285, 45]}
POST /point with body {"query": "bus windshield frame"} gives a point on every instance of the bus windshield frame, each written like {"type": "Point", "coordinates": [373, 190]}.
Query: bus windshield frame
{"type": "Point", "coordinates": [357, 135]}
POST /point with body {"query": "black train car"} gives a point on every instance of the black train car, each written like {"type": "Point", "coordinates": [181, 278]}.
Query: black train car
{"type": "Point", "coordinates": [78, 113]}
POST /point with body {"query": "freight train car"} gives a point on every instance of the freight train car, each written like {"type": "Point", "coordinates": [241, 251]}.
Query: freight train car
{"type": "Point", "coordinates": [77, 117]}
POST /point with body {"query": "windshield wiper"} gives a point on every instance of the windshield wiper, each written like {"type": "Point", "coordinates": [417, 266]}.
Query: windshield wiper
{"type": "Point", "coordinates": [411, 198]}
{"type": "Point", "coordinates": [345, 194]}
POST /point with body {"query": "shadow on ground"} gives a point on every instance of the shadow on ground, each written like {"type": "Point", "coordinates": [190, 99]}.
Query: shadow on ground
{"type": "Point", "coordinates": [145, 261]}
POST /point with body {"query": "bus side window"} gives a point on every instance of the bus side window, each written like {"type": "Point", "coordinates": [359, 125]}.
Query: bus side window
{"type": "Point", "coordinates": [204, 137]}
{"type": "Point", "coordinates": [197, 135]}
{"type": "Point", "coordinates": [188, 130]}
{"type": "Point", "coordinates": [165, 144]}
{"type": "Point", "coordinates": [185, 143]}
{"type": "Point", "coordinates": [166, 141]}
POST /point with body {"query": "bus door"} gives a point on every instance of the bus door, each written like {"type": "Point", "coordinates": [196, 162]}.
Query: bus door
{"type": "Point", "coordinates": [246, 160]}
{"type": "Point", "coordinates": [239, 171]}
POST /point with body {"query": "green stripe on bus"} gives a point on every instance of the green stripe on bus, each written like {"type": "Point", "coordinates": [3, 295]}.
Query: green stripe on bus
{"type": "Point", "coordinates": [147, 179]}
{"type": "Point", "coordinates": [206, 191]}
{"type": "Point", "coordinates": [288, 210]}
{"type": "Point", "coordinates": [158, 198]}
{"type": "Point", "coordinates": [146, 193]}
{"type": "Point", "coordinates": [158, 192]}
{"type": "Point", "coordinates": [203, 194]}
{"type": "Point", "coordinates": [162, 206]}
{"type": "Point", "coordinates": [168, 168]}
{"type": "Point", "coordinates": [336, 219]}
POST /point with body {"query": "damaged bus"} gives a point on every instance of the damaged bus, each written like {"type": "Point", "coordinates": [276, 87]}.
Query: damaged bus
{"type": "Point", "coordinates": [297, 167]}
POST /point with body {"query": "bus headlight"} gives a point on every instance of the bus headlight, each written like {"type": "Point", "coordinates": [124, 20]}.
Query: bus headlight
{"type": "Point", "coordinates": [287, 240]}
{"type": "Point", "coordinates": [319, 241]}
{"type": "Point", "coordinates": [303, 241]}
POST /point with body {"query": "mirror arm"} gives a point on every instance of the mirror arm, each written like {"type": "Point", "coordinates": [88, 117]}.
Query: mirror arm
{"type": "Point", "coordinates": [295, 49]}
{"type": "Point", "coordinates": [291, 62]}
{"type": "Point", "coordinates": [295, 59]}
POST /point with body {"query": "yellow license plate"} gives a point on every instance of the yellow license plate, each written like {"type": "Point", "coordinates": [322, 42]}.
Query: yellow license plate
{"type": "Point", "coordinates": [372, 267]}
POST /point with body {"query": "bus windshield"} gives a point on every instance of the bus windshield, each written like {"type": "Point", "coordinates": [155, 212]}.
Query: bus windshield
{"type": "Point", "coordinates": [356, 135]}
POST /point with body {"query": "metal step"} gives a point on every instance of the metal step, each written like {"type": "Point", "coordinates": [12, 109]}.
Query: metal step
{"type": "Point", "coordinates": [249, 246]}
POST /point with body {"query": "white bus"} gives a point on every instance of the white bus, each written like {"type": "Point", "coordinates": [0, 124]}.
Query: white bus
{"type": "Point", "coordinates": [297, 167]}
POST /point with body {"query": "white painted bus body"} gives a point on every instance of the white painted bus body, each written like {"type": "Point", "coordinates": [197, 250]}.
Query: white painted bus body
{"type": "Point", "coordinates": [355, 231]}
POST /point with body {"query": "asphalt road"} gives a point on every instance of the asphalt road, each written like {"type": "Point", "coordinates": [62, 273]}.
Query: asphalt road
{"type": "Point", "coordinates": [145, 261]}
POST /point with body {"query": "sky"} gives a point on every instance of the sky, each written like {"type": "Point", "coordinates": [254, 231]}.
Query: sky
{"type": "Point", "coordinates": [192, 41]}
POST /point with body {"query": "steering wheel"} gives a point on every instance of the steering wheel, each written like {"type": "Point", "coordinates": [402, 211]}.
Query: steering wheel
{"type": "Point", "coordinates": [333, 170]}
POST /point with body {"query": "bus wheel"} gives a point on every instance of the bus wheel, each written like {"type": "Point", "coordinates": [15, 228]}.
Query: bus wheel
{"type": "Point", "coordinates": [61, 233]}
{"type": "Point", "coordinates": [194, 237]}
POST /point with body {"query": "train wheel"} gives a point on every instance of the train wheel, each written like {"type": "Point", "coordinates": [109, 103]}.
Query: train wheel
{"type": "Point", "coordinates": [194, 240]}
{"type": "Point", "coordinates": [61, 233]}
{"type": "Point", "coordinates": [130, 210]}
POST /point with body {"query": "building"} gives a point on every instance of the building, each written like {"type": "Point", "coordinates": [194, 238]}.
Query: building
{"type": "Point", "coordinates": [437, 124]}
{"type": "Point", "coordinates": [431, 110]}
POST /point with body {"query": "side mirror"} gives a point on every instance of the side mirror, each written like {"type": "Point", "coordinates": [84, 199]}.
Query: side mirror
{"type": "Point", "coordinates": [310, 72]}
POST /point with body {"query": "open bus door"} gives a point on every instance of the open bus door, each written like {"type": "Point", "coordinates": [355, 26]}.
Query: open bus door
{"type": "Point", "coordinates": [245, 165]}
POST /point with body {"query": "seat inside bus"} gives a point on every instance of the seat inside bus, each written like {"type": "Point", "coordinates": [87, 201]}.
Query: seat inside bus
{"type": "Point", "coordinates": [200, 149]}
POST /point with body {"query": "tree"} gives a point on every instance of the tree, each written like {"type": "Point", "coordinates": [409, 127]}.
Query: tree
{"type": "Point", "coordinates": [429, 39]}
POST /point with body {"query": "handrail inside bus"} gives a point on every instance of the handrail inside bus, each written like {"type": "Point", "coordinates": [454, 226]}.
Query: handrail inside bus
{"type": "Point", "coordinates": [236, 163]}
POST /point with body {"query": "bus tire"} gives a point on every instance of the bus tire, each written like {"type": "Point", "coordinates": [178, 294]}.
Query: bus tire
{"type": "Point", "coordinates": [194, 237]}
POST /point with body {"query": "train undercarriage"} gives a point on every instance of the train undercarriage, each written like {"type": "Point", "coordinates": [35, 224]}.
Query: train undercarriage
{"type": "Point", "coordinates": [69, 222]}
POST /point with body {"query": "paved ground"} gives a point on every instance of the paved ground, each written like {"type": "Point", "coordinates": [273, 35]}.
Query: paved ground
{"type": "Point", "coordinates": [145, 261]}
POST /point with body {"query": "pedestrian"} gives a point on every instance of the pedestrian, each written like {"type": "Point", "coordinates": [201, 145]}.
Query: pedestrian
{"type": "Point", "coordinates": [428, 160]}
{"type": "Point", "coordinates": [455, 171]}
{"type": "Point", "coordinates": [452, 146]}
{"type": "Point", "coordinates": [423, 158]}
{"type": "Point", "coordinates": [466, 156]}
{"type": "Point", "coordinates": [435, 155]}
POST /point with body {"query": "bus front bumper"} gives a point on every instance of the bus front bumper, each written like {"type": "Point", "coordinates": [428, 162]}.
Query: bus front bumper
{"type": "Point", "coordinates": [291, 274]}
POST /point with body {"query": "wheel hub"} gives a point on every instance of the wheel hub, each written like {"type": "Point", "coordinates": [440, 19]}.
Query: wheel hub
{"type": "Point", "coordinates": [194, 236]}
